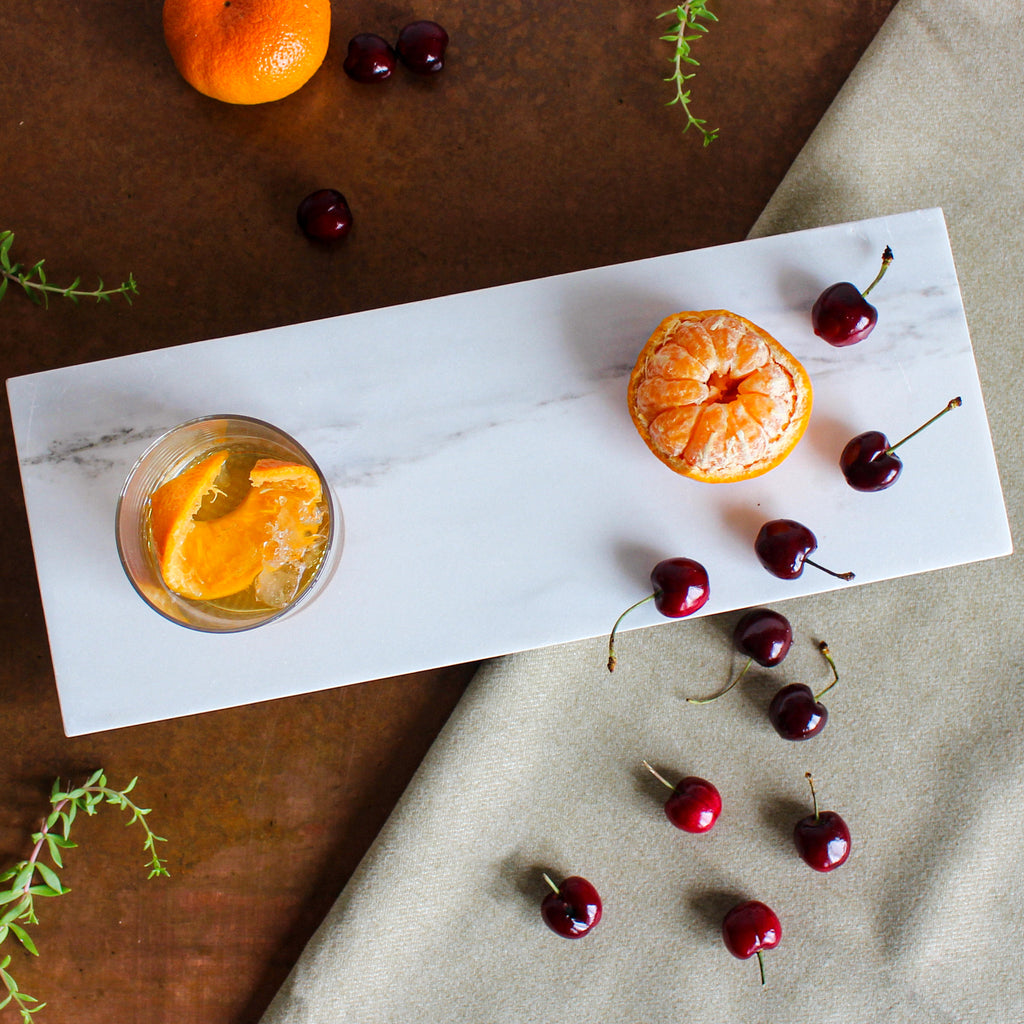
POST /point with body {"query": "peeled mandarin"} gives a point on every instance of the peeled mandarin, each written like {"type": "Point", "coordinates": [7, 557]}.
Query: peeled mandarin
{"type": "Point", "coordinates": [717, 398]}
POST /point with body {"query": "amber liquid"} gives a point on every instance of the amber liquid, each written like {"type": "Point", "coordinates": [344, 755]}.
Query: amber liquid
{"type": "Point", "coordinates": [273, 589]}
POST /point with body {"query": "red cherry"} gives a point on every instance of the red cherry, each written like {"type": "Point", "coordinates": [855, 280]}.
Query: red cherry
{"type": "Point", "coordinates": [421, 47]}
{"type": "Point", "coordinates": [694, 805]}
{"type": "Point", "coordinates": [571, 909]}
{"type": "Point", "coordinates": [783, 545]}
{"type": "Point", "coordinates": [681, 587]}
{"type": "Point", "coordinates": [822, 838]}
{"type": "Point", "coordinates": [842, 315]}
{"type": "Point", "coordinates": [749, 929]}
{"type": "Point", "coordinates": [870, 463]}
{"type": "Point", "coordinates": [369, 58]}
{"type": "Point", "coordinates": [796, 712]}
{"type": "Point", "coordinates": [325, 215]}
{"type": "Point", "coordinates": [763, 636]}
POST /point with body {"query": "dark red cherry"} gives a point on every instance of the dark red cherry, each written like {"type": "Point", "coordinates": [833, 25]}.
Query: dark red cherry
{"type": "Point", "coordinates": [681, 587]}
{"type": "Point", "coordinates": [369, 59]}
{"type": "Point", "coordinates": [870, 463]}
{"type": "Point", "coordinates": [822, 838]}
{"type": "Point", "coordinates": [782, 545]}
{"type": "Point", "coordinates": [842, 314]}
{"type": "Point", "coordinates": [325, 215]}
{"type": "Point", "coordinates": [571, 909]}
{"type": "Point", "coordinates": [421, 47]}
{"type": "Point", "coordinates": [749, 929]}
{"type": "Point", "coordinates": [695, 803]}
{"type": "Point", "coordinates": [764, 636]}
{"type": "Point", "coordinates": [796, 712]}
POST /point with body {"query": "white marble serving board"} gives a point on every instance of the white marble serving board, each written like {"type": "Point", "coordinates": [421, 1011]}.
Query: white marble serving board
{"type": "Point", "coordinates": [496, 496]}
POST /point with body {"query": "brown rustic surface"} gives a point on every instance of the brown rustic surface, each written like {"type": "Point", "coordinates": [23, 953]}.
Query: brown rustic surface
{"type": "Point", "coordinates": [545, 146]}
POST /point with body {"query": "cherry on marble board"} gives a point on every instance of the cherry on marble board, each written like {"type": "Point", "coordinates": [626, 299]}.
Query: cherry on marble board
{"type": "Point", "coordinates": [750, 928]}
{"type": "Point", "coordinates": [782, 546]}
{"type": "Point", "coordinates": [796, 712]}
{"type": "Point", "coordinates": [694, 804]}
{"type": "Point", "coordinates": [571, 909]}
{"type": "Point", "coordinates": [681, 587]}
{"type": "Point", "coordinates": [822, 839]}
{"type": "Point", "coordinates": [870, 463]}
{"type": "Point", "coordinates": [842, 315]}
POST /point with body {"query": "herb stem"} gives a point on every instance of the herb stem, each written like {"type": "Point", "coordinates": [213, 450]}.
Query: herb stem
{"type": "Point", "coordinates": [34, 284]}
{"type": "Point", "coordinates": [17, 904]}
{"type": "Point", "coordinates": [687, 29]}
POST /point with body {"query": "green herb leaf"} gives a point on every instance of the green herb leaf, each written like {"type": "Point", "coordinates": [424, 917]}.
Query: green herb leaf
{"type": "Point", "coordinates": [12, 913]}
{"type": "Point", "coordinates": [24, 938]}
{"type": "Point", "coordinates": [49, 876]}
{"type": "Point", "coordinates": [45, 890]}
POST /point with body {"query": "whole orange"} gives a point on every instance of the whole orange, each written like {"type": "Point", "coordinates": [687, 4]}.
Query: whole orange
{"type": "Point", "coordinates": [247, 51]}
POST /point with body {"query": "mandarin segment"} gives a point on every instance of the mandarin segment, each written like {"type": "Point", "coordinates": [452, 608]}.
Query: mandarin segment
{"type": "Point", "coordinates": [717, 398]}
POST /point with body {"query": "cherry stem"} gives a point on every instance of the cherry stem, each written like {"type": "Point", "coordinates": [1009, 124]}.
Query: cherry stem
{"type": "Point", "coordinates": [814, 796]}
{"type": "Point", "coordinates": [887, 258]}
{"type": "Point", "coordinates": [612, 659]}
{"type": "Point", "coordinates": [838, 575]}
{"type": "Point", "coordinates": [721, 693]}
{"type": "Point", "coordinates": [547, 878]}
{"type": "Point", "coordinates": [760, 963]}
{"type": "Point", "coordinates": [954, 403]}
{"type": "Point", "coordinates": [654, 771]}
{"type": "Point", "coordinates": [823, 647]}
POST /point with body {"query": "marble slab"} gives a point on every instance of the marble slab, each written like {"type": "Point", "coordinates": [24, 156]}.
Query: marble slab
{"type": "Point", "coordinates": [496, 496]}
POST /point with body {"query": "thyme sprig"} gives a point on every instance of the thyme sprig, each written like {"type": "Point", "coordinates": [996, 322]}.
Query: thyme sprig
{"type": "Point", "coordinates": [687, 28]}
{"type": "Point", "coordinates": [33, 877]}
{"type": "Point", "coordinates": [35, 285]}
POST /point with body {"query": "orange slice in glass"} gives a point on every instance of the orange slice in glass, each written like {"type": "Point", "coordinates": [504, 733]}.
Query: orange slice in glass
{"type": "Point", "coordinates": [275, 522]}
{"type": "Point", "coordinates": [717, 398]}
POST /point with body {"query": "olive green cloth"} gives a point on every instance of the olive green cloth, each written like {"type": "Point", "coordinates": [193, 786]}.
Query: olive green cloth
{"type": "Point", "coordinates": [539, 767]}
